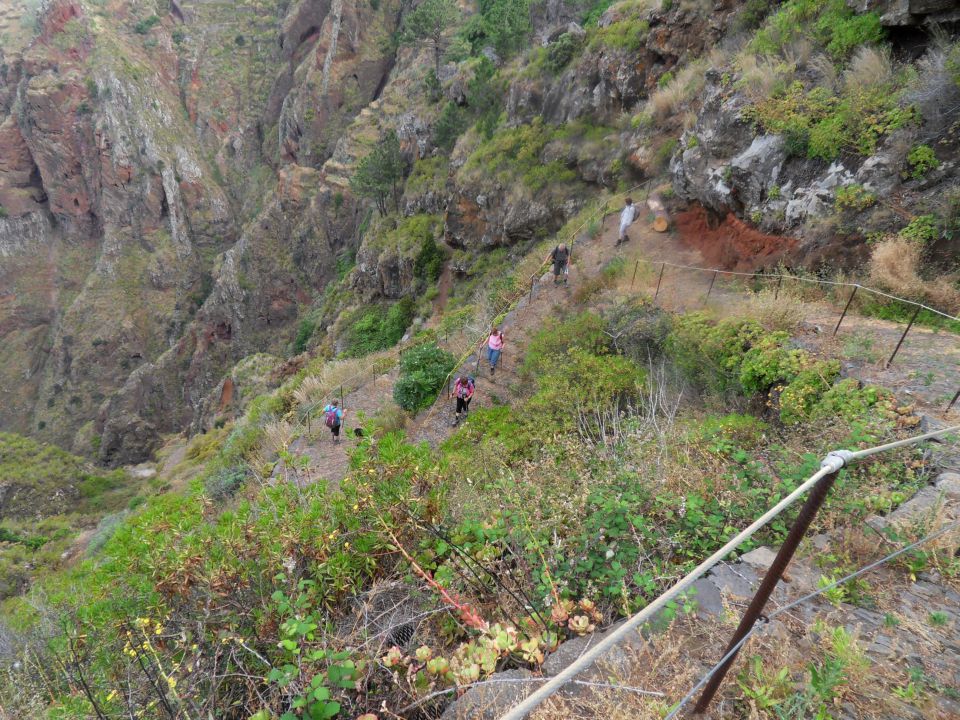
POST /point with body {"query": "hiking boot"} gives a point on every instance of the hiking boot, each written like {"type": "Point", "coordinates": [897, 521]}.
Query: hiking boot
{"type": "Point", "coordinates": [493, 369]}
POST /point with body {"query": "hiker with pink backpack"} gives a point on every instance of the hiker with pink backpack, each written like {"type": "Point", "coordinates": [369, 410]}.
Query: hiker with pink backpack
{"type": "Point", "coordinates": [463, 391]}
{"type": "Point", "coordinates": [333, 419]}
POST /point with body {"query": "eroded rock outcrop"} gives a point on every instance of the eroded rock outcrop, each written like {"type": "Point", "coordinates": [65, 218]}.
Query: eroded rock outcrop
{"type": "Point", "coordinates": [138, 257]}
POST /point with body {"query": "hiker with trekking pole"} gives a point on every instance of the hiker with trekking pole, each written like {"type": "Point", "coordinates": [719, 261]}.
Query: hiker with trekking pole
{"type": "Point", "coordinates": [494, 348]}
{"type": "Point", "coordinates": [560, 257]}
{"type": "Point", "coordinates": [333, 419]}
{"type": "Point", "coordinates": [463, 391]}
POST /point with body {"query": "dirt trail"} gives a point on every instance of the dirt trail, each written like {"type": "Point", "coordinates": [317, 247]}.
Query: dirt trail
{"type": "Point", "coordinates": [926, 370]}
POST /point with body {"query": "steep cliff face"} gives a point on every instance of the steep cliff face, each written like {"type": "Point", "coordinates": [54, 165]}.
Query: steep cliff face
{"type": "Point", "coordinates": [139, 143]}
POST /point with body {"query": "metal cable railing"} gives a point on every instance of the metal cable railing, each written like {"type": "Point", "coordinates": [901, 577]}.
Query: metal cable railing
{"type": "Point", "coordinates": [814, 281]}
{"type": "Point", "coordinates": [731, 653]}
{"type": "Point", "coordinates": [820, 483]}
{"type": "Point", "coordinates": [780, 277]}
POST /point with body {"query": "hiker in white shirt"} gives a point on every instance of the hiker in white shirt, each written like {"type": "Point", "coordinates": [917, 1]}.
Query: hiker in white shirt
{"type": "Point", "coordinates": [627, 216]}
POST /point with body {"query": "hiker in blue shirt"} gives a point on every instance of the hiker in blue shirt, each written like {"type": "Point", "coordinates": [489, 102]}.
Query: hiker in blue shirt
{"type": "Point", "coordinates": [333, 419]}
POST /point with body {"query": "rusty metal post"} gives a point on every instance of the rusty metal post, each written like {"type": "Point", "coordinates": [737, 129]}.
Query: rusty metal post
{"type": "Point", "coordinates": [904, 336]}
{"type": "Point", "coordinates": [770, 580]}
{"type": "Point", "coordinates": [710, 289]}
{"type": "Point", "coordinates": [635, 266]}
{"type": "Point", "coordinates": [448, 386]}
{"type": "Point", "coordinates": [845, 308]}
{"type": "Point", "coordinates": [953, 402]}
{"type": "Point", "coordinates": [776, 293]}
{"type": "Point", "coordinates": [659, 280]}
{"type": "Point", "coordinates": [531, 288]}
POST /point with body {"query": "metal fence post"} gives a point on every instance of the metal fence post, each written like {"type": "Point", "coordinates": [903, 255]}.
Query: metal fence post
{"type": "Point", "coordinates": [531, 288]}
{"type": "Point", "coordinates": [635, 266]}
{"type": "Point", "coordinates": [776, 293]}
{"type": "Point", "coordinates": [712, 281]}
{"type": "Point", "coordinates": [845, 308]}
{"type": "Point", "coordinates": [953, 402]}
{"type": "Point", "coordinates": [770, 580]}
{"type": "Point", "coordinates": [659, 280]}
{"type": "Point", "coordinates": [904, 336]}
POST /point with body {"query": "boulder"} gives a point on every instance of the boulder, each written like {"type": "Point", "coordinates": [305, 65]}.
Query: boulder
{"type": "Point", "coordinates": [757, 168]}
{"type": "Point", "coordinates": [490, 700]}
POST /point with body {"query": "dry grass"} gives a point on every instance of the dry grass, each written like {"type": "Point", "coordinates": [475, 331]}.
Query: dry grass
{"type": "Point", "coordinates": [679, 92]}
{"type": "Point", "coordinates": [277, 436]}
{"type": "Point", "coordinates": [798, 52]}
{"type": "Point", "coordinates": [868, 68]}
{"type": "Point", "coordinates": [783, 312]}
{"type": "Point", "coordinates": [895, 267]}
{"type": "Point", "coordinates": [933, 91]}
{"type": "Point", "coordinates": [349, 374]}
{"type": "Point", "coordinates": [826, 71]}
{"type": "Point", "coordinates": [759, 76]}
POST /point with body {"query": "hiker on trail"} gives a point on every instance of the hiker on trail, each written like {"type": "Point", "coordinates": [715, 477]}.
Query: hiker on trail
{"type": "Point", "coordinates": [494, 348]}
{"type": "Point", "coordinates": [333, 418]}
{"type": "Point", "coordinates": [561, 263]}
{"type": "Point", "coordinates": [463, 391]}
{"type": "Point", "coordinates": [627, 216]}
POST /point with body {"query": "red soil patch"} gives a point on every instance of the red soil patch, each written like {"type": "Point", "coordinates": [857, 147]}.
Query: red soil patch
{"type": "Point", "coordinates": [730, 244]}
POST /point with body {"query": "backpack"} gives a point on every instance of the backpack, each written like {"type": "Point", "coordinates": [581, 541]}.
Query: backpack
{"type": "Point", "coordinates": [464, 390]}
{"type": "Point", "coordinates": [331, 418]}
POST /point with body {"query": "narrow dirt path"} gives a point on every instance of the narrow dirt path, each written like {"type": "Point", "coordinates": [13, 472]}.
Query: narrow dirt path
{"type": "Point", "coordinates": [926, 370]}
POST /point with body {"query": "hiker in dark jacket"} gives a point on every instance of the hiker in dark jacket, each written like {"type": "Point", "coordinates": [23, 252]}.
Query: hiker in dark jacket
{"type": "Point", "coordinates": [561, 263]}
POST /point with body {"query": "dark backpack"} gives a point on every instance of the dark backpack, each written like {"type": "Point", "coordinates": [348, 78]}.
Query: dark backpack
{"type": "Point", "coordinates": [331, 418]}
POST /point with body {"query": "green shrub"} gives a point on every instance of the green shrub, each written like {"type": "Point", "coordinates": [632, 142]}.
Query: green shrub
{"type": "Point", "coordinates": [710, 354]}
{"type": "Point", "coordinates": [854, 197]}
{"type": "Point", "coordinates": [847, 400]}
{"type": "Point", "coordinates": [829, 22]}
{"type": "Point", "coordinates": [429, 262]}
{"type": "Point", "coordinates": [848, 31]}
{"type": "Point", "coordinates": [551, 344]}
{"type": "Point", "coordinates": [593, 15]}
{"type": "Point", "coordinates": [375, 330]}
{"type": "Point", "coordinates": [450, 126]}
{"type": "Point", "coordinates": [922, 160]}
{"type": "Point", "coordinates": [423, 370]}
{"type": "Point", "coordinates": [561, 52]}
{"type": "Point", "coordinates": [513, 154]}
{"type": "Point", "coordinates": [576, 391]}
{"type": "Point", "coordinates": [769, 362]}
{"type": "Point", "coordinates": [304, 333]}
{"type": "Point", "coordinates": [106, 529]}
{"type": "Point", "coordinates": [144, 26]}
{"type": "Point", "coordinates": [224, 482]}
{"type": "Point", "coordinates": [731, 431]}
{"type": "Point", "coordinates": [822, 125]}
{"type": "Point", "coordinates": [800, 396]}
{"type": "Point", "coordinates": [502, 24]}
{"type": "Point", "coordinates": [753, 14]}
{"type": "Point", "coordinates": [628, 35]}
{"type": "Point", "coordinates": [922, 229]}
